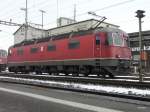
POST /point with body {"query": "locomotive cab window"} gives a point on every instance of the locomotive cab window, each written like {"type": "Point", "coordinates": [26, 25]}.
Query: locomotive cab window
{"type": "Point", "coordinates": [74, 45]}
{"type": "Point", "coordinates": [118, 41]}
{"type": "Point", "coordinates": [51, 48]}
{"type": "Point", "coordinates": [97, 40]}
{"type": "Point", "coordinates": [34, 50]}
{"type": "Point", "coordinates": [114, 38]}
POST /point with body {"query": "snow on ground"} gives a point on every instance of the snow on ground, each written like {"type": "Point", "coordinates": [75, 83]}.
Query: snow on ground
{"type": "Point", "coordinates": [91, 87]}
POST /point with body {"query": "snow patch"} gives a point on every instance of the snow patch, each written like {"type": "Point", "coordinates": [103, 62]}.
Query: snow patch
{"type": "Point", "coordinates": [92, 87]}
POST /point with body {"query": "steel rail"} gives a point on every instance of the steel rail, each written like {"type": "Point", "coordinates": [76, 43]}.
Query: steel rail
{"type": "Point", "coordinates": [129, 83]}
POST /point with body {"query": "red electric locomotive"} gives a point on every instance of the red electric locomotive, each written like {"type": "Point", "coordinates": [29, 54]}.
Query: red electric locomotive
{"type": "Point", "coordinates": [3, 60]}
{"type": "Point", "coordinates": [102, 51]}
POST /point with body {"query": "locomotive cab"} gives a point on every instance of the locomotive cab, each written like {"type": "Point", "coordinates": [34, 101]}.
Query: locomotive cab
{"type": "Point", "coordinates": [112, 51]}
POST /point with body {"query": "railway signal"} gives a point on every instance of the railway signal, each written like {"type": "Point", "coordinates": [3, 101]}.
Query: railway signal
{"type": "Point", "coordinates": [140, 15]}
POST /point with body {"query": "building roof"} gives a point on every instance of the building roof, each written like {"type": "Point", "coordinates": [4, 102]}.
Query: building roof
{"type": "Point", "coordinates": [136, 34]}
{"type": "Point", "coordinates": [83, 22]}
{"type": "Point", "coordinates": [28, 26]}
{"type": "Point", "coordinates": [64, 25]}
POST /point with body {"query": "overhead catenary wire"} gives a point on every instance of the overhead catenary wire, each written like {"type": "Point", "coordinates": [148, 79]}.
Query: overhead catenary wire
{"type": "Point", "coordinates": [31, 7]}
{"type": "Point", "coordinates": [78, 15]}
{"type": "Point", "coordinates": [104, 8]}
{"type": "Point", "coordinates": [109, 6]}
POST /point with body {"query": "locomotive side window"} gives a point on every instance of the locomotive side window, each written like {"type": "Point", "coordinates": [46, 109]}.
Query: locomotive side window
{"type": "Point", "coordinates": [97, 40]}
{"type": "Point", "coordinates": [74, 44]}
{"type": "Point", "coordinates": [51, 48]}
{"type": "Point", "coordinates": [20, 51]}
{"type": "Point", "coordinates": [34, 50]}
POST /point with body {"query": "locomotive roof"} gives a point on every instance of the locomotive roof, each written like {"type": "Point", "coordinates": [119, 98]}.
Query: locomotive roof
{"type": "Point", "coordinates": [67, 35]}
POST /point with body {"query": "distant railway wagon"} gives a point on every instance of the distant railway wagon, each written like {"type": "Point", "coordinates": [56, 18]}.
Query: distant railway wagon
{"type": "Point", "coordinates": [3, 60]}
{"type": "Point", "coordinates": [101, 51]}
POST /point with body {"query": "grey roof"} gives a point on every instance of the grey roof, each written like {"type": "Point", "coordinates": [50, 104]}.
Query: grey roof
{"type": "Point", "coordinates": [28, 26]}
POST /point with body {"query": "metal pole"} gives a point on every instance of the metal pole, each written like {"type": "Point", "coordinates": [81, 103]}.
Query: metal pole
{"type": "Point", "coordinates": [139, 16]}
{"type": "Point", "coordinates": [42, 17]}
{"type": "Point", "coordinates": [74, 13]}
{"type": "Point", "coordinates": [145, 58]}
{"type": "Point", "coordinates": [57, 9]}
{"type": "Point", "coordinates": [42, 11]}
{"type": "Point", "coordinates": [140, 45]}
{"type": "Point", "coordinates": [26, 20]}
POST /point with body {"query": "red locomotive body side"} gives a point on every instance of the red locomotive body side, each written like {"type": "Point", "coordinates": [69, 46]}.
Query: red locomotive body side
{"type": "Point", "coordinates": [71, 54]}
{"type": "Point", "coordinates": [87, 50]}
{"type": "Point", "coordinates": [62, 52]}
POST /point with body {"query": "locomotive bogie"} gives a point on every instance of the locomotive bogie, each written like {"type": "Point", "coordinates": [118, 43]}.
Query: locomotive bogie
{"type": "Point", "coordinates": [81, 67]}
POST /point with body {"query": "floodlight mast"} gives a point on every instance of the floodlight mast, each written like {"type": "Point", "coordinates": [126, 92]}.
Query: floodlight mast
{"type": "Point", "coordinates": [140, 15]}
{"type": "Point", "coordinates": [26, 19]}
{"type": "Point", "coordinates": [42, 11]}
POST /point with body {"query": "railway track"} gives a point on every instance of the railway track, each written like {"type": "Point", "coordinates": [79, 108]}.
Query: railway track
{"type": "Point", "coordinates": [23, 79]}
{"type": "Point", "coordinates": [119, 81]}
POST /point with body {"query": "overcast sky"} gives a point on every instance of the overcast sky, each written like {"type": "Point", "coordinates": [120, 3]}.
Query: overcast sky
{"type": "Point", "coordinates": [119, 12]}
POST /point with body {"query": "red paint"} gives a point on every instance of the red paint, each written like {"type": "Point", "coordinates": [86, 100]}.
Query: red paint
{"type": "Point", "coordinates": [87, 49]}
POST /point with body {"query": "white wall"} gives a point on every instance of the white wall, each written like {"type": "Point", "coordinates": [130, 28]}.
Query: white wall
{"type": "Point", "coordinates": [32, 33]}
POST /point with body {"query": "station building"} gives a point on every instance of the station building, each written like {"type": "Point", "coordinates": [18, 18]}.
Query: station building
{"type": "Point", "coordinates": [63, 26]}
{"type": "Point", "coordinates": [134, 44]}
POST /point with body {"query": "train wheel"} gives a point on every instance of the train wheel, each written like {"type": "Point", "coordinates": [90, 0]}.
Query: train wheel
{"type": "Point", "coordinates": [55, 73]}
{"type": "Point", "coordinates": [26, 72]}
{"type": "Point", "coordinates": [15, 72]}
{"type": "Point", "coordinates": [75, 74]}
{"type": "Point", "coordinates": [49, 73]}
{"type": "Point", "coordinates": [66, 74]}
{"type": "Point", "coordinates": [38, 72]}
{"type": "Point", "coordinates": [111, 76]}
{"type": "Point", "coordinates": [86, 74]}
{"type": "Point", "coordinates": [104, 76]}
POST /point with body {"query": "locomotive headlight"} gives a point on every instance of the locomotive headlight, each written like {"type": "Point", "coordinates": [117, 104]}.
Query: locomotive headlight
{"type": "Point", "coordinates": [118, 56]}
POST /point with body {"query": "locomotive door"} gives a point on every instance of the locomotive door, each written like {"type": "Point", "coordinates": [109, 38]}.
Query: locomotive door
{"type": "Point", "coordinates": [97, 46]}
